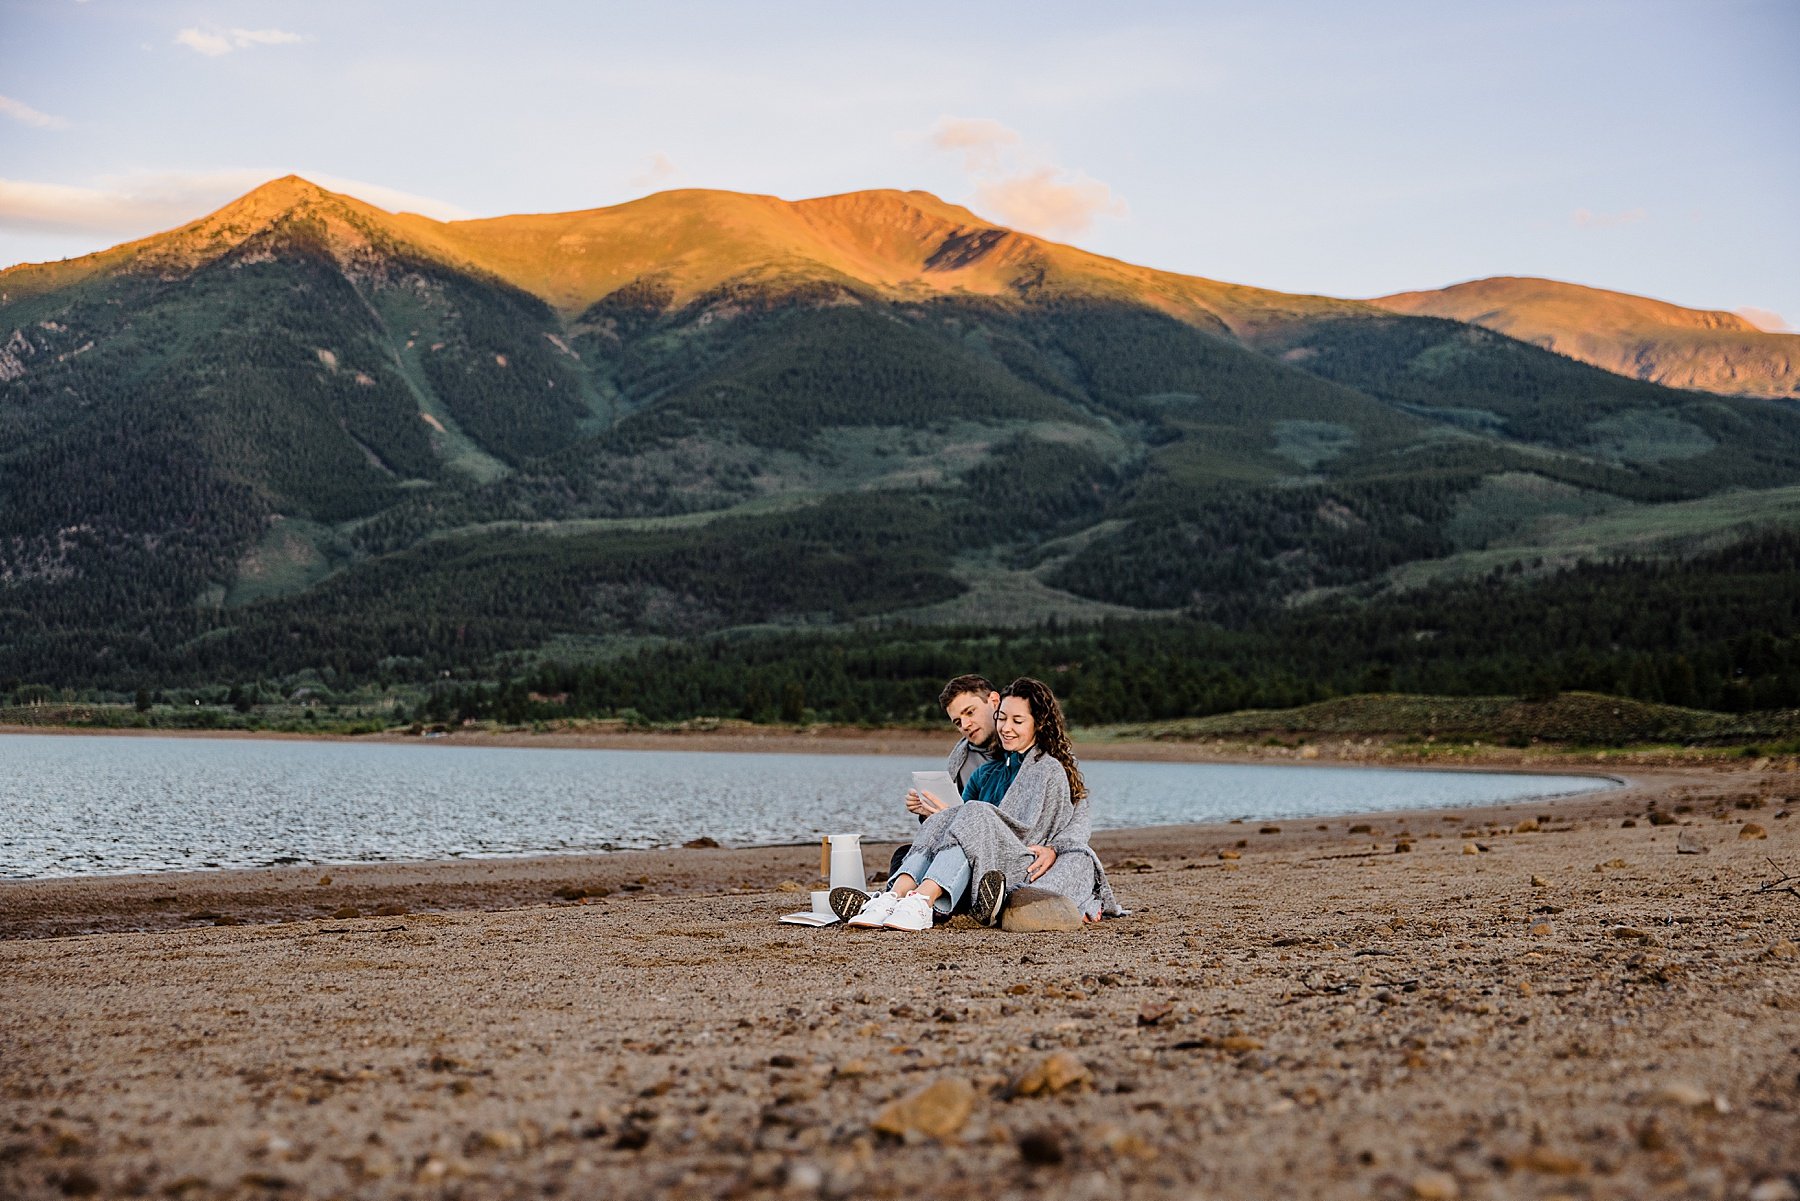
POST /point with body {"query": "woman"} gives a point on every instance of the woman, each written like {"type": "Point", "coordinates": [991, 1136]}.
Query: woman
{"type": "Point", "coordinates": [1035, 829]}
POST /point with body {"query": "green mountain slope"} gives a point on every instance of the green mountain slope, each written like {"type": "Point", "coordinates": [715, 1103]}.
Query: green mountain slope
{"type": "Point", "coordinates": [302, 431]}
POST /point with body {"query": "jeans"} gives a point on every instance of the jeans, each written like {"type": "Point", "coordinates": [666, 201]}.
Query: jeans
{"type": "Point", "coordinates": [948, 869]}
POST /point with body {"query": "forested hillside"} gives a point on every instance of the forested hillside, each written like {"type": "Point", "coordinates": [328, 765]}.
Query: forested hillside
{"type": "Point", "coordinates": [778, 466]}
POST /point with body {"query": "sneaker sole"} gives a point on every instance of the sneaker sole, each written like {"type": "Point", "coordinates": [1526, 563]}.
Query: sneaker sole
{"type": "Point", "coordinates": [990, 898]}
{"type": "Point", "coordinates": [848, 902]}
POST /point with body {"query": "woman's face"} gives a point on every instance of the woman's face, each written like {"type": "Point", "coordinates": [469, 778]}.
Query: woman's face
{"type": "Point", "coordinates": [1017, 728]}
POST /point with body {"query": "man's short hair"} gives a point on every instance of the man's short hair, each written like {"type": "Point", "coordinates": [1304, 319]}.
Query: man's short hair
{"type": "Point", "coordinates": [979, 685]}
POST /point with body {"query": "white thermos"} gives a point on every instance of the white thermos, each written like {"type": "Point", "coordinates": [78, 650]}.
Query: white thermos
{"type": "Point", "coordinates": [847, 861]}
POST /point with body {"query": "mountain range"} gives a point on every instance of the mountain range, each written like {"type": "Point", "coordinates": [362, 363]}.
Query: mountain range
{"type": "Point", "coordinates": [304, 432]}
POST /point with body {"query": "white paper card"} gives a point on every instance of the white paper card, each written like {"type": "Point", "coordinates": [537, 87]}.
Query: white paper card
{"type": "Point", "coordinates": [807, 917]}
{"type": "Point", "coordinates": [938, 784]}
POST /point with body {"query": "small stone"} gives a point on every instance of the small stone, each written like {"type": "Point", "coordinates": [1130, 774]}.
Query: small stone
{"type": "Point", "coordinates": [1541, 928]}
{"type": "Point", "coordinates": [790, 886]}
{"type": "Point", "coordinates": [1527, 826]}
{"type": "Point", "coordinates": [1057, 1073]}
{"type": "Point", "coordinates": [1774, 1189]}
{"type": "Point", "coordinates": [1238, 1043]}
{"type": "Point", "coordinates": [1229, 854]}
{"type": "Point", "coordinates": [851, 1069]}
{"type": "Point", "coordinates": [391, 909]}
{"type": "Point", "coordinates": [1550, 1163]}
{"type": "Point", "coordinates": [936, 1111]}
{"type": "Point", "coordinates": [1154, 1012]}
{"type": "Point", "coordinates": [227, 919]}
{"type": "Point", "coordinates": [1269, 830]}
{"type": "Point", "coordinates": [1631, 932]}
{"type": "Point", "coordinates": [1658, 818]}
{"type": "Point", "coordinates": [1750, 831]}
{"type": "Point", "coordinates": [1688, 843]}
{"type": "Point", "coordinates": [1683, 1094]}
{"type": "Point", "coordinates": [1041, 1147]}
{"type": "Point", "coordinates": [1435, 1186]}
{"type": "Point", "coordinates": [1629, 823]}
{"type": "Point", "coordinates": [1539, 882]}
{"type": "Point", "coordinates": [1470, 849]}
{"type": "Point", "coordinates": [324, 880]}
{"type": "Point", "coordinates": [1401, 848]}
{"type": "Point", "coordinates": [505, 1142]}
{"type": "Point", "coordinates": [344, 912]}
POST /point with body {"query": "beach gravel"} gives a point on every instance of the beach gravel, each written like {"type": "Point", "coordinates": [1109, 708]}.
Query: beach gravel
{"type": "Point", "coordinates": [1573, 1010]}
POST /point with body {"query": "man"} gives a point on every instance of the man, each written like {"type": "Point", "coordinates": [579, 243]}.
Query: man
{"type": "Point", "coordinates": [970, 703]}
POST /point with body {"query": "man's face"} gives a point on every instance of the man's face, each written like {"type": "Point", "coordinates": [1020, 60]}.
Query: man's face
{"type": "Point", "coordinates": [973, 714]}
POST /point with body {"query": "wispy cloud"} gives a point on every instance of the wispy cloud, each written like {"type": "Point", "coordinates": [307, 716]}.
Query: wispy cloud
{"type": "Point", "coordinates": [215, 44]}
{"type": "Point", "coordinates": [138, 205]}
{"type": "Point", "coordinates": [1588, 219]}
{"type": "Point", "coordinates": [659, 170]}
{"type": "Point", "coordinates": [1768, 321]}
{"type": "Point", "coordinates": [980, 140]}
{"type": "Point", "coordinates": [1018, 185]}
{"type": "Point", "coordinates": [24, 114]}
{"type": "Point", "coordinates": [1049, 200]}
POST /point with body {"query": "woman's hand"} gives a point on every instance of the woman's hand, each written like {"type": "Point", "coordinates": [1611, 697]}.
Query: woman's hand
{"type": "Point", "coordinates": [923, 803]}
{"type": "Point", "coordinates": [1042, 858]}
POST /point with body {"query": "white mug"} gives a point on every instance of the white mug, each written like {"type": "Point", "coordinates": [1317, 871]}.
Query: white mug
{"type": "Point", "coordinates": [822, 902]}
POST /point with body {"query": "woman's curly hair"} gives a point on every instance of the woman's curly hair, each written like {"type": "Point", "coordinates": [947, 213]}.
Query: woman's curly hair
{"type": "Point", "coordinates": [1052, 733]}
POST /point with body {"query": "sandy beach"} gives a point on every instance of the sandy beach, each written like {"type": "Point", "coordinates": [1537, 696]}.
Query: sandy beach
{"type": "Point", "coordinates": [1544, 999]}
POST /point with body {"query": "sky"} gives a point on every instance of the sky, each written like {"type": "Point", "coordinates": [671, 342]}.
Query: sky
{"type": "Point", "coordinates": [1646, 146]}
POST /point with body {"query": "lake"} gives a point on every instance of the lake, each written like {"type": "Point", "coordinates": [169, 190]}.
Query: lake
{"type": "Point", "coordinates": [75, 805]}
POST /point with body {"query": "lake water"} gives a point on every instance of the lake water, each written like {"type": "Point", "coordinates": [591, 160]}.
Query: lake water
{"type": "Point", "coordinates": [86, 805]}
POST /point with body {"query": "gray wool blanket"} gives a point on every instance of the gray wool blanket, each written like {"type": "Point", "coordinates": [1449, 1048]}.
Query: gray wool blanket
{"type": "Point", "coordinates": [1036, 811]}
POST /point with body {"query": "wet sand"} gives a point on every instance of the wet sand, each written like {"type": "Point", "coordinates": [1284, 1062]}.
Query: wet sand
{"type": "Point", "coordinates": [1576, 1009]}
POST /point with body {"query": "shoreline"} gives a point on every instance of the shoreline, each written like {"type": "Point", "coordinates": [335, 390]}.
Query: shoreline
{"type": "Point", "coordinates": [139, 902]}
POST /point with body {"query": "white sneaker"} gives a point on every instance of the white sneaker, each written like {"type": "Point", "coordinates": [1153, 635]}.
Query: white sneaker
{"type": "Point", "coordinates": [912, 913]}
{"type": "Point", "coordinates": [877, 911]}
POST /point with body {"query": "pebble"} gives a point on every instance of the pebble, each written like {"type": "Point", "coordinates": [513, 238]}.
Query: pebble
{"type": "Point", "coordinates": [1435, 1186]}
{"type": "Point", "coordinates": [1057, 1073]}
{"type": "Point", "coordinates": [343, 912]}
{"type": "Point", "coordinates": [1229, 855]}
{"type": "Point", "coordinates": [1684, 1094]}
{"type": "Point", "coordinates": [1550, 1163]}
{"type": "Point", "coordinates": [1541, 928]}
{"type": "Point", "coordinates": [1774, 1189]}
{"type": "Point", "coordinates": [1631, 932]}
{"type": "Point", "coordinates": [936, 1111]}
{"type": "Point", "coordinates": [1750, 831]}
{"type": "Point", "coordinates": [1154, 1012]}
{"type": "Point", "coordinates": [1527, 826]}
{"type": "Point", "coordinates": [1469, 848]}
{"type": "Point", "coordinates": [1688, 843]}
{"type": "Point", "coordinates": [1539, 882]}
{"type": "Point", "coordinates": [1043, 1147]}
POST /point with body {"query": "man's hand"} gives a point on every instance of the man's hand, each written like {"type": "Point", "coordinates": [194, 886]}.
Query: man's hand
{"type": "Point", "coordinates": [1042, 858]}
{"type": "Point", "coordinates": [923, 803]}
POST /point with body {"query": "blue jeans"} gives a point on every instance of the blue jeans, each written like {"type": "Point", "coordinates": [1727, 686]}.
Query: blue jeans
{"type": "Point", "coordinates": [948, 869]}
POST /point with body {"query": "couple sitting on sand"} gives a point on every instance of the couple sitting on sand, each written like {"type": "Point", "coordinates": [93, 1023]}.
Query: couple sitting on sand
{"type": "Point", "coordinates": [1019, 832]}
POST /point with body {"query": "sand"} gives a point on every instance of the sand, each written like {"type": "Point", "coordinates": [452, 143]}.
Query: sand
{"type": "Point", "coordinates": [1574, 1010]}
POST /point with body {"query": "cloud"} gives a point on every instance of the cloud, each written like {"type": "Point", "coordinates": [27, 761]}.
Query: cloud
{"type": "Point", "coordinates": [138, 205]}
{"type": "Point", "coordinates": [1767, 321]}
{"type": "Point", "coordinates": [214, 44]}
{"type": "Point", "coordinates": [1048, 200]}
{"type": "Point", "coordinates": [24, 114]}
{"type": "Point", "coordinates": [1587, 219]}
{"type": "Point", "coordinates": [660, 171]}
{"type": "Point", "coordinates": [1018, 185]}
{"type": "Point", "coordinates": [980, 139]}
